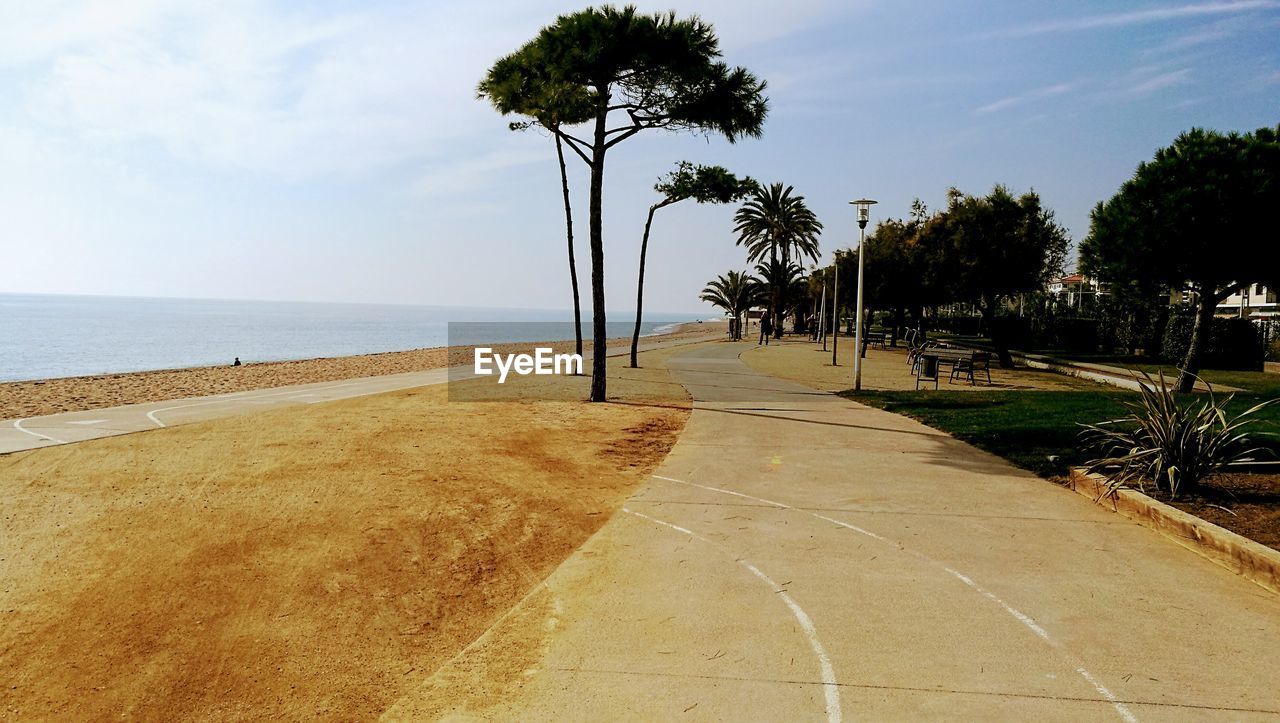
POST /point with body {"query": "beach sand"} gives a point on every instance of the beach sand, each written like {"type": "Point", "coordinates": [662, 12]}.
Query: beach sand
{"type": "Point", "coordinates": [51, 396]}
{"type": "Point", "coordinates": [311, 562]}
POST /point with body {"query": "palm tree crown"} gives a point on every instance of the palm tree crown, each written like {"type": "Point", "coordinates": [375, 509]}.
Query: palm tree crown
{"type": "Point", "coordinates": [774, 223]}
{"type": "Point", "coordinates": [735, 292]}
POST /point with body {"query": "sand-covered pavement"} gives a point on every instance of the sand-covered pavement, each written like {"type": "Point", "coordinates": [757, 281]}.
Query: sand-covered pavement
{"type": "Point", "coordinates": [75, 426]}
{"type": "Point", "coordinates": [314, 561]}
{"type": "Point", "coordinates": [51, 396]}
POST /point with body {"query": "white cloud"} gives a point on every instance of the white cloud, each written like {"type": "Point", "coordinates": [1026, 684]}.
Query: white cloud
{"type": "Point", "coordinates": [468, 175]}
{"type": "Point", "coordinates": [250, 85]}
{"type": "Point", "coordinates": [1140, 17]}
{"type": "Point", "coordinates": [1011, 101]}
{"type": "Point", "coordinates": [1161, 81]}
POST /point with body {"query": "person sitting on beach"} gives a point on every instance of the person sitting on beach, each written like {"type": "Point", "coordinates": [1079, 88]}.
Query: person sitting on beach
{"type": "Point", "coordinates": [236, 363]}
{"type": "Point", "coordinates": [766, 330]}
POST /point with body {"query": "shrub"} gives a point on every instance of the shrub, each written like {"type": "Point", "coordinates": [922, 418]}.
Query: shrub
{"type": "Point", "coordinates": [1172, 445]}
{"type": "Point", "coordinates": [1235, 344]}
{"type": "Point", "coordinates": [1077, 334]}
{"type": "Point", "coordinates": [1232, 344]}
{"type": "Point", "coordinates": [1271, 339]}
{"type": "Point", "coordinates": [1011, 332]}
{"type": "Point", "coordinates": [958, 324]}
{"type": "Point", "coordinates": [1177, 336]}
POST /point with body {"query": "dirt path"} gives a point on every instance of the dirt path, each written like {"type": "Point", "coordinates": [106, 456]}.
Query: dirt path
{"type": "Point", "coordinates": [307, 562]}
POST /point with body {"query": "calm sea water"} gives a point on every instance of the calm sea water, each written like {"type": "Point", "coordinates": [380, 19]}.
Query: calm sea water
{"type": "Point", "coordinates": [44, 336]}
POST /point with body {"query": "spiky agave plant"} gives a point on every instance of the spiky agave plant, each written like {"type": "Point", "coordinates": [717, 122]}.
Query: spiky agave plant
{"type": "Point", "coordinates": [1172, 445]}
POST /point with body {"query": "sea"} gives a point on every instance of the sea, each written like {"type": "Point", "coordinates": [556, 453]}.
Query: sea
{"type": "Point", "coordinates": [46, 336]}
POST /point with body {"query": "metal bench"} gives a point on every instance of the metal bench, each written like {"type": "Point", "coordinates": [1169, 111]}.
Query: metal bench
{"type": "Point", "coordinates": [978, 361]}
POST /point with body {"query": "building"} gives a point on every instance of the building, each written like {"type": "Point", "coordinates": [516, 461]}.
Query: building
{"type": "Point", "coordinates": [1074, 288]}
{"type": "Point", "coordinates": [1255, 302]}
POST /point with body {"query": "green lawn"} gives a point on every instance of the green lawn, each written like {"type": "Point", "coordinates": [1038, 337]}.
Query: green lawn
{"type": "Point", "coordinates": [1027, 427]}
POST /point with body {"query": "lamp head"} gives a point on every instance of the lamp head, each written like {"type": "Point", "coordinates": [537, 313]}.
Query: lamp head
{"type": "Point", "coordinates": [864, 210]}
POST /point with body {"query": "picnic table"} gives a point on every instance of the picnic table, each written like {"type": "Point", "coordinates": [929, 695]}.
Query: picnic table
{"type": "Point", "coordinates": [961, 361]}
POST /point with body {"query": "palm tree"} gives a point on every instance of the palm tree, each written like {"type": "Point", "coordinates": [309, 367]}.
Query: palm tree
{"type": "Point", "coordinates": [773, 223]}
{"type": "Point", "coordinates": [791, 283]}
{"type": "Point", "coordinates": [735, 292]}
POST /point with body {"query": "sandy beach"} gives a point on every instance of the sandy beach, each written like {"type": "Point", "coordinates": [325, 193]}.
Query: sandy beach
{"type": "Point", "coordinates": [68, 394]}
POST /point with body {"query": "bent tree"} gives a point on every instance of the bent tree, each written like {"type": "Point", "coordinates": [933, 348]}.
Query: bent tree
{"type": "Point", "coordinates": [1199, 217]}
{"type": "Point", "coordinates": [618, 72]}
{"type": "Point", "coordinates": [704, 184]}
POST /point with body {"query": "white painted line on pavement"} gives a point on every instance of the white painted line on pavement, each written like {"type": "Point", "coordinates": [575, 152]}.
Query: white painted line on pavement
{"type": "Point", "coordinates": [1120, 707]}
{"type": "Point", "coordinates": [90, 421]}
{"type": "Point", "coordinates": [17, 424]}
{"type": "Point", "coordinates": [1021, 617]}
{"type": "Point", "coordinates": [830, 688]}
{"type": "Point", "coordinates": [152, 414]}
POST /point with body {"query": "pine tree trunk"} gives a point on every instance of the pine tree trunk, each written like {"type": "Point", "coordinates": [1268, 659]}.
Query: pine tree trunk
{"type": "Point", "coordinates": [573, 264]}
{"type": "Point", "coordinates": [1208, 303]}
{"type": "Point", "coordinates": [998, 337]}
{"type": "Point", "coordinates": [598, 332]}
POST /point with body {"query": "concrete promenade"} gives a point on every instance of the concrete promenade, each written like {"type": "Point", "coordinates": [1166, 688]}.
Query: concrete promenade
{"type": "Point", "coordinates": [802, 557]}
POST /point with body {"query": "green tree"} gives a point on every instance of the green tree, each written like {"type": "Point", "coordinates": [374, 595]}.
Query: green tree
{"type": "Point", "coordinates": [774, 224]}
{"type": "Point", "coordinates": [896, 275]}
{"type": "Point", "coordinates": [985, 249]}
{"type": "Point", "coordinates": [735, 292]}
{"type": "Point", "coordinates": [704, 184]}
{"type": "Point", "coordinates": [1199, 217]}
{"type": "Point", "coordinates": [652, 71]}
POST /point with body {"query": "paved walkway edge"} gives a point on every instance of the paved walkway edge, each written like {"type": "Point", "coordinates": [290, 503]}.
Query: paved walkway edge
{"type": "Point", "coordinates": [1253, 561]}
{"type": "Point", "coordinates": [1101, 373]}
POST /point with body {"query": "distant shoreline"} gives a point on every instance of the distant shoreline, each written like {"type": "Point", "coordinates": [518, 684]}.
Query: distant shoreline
{"type": "Point", "coordinates": [46, 337]}
{"type": "Point", "coordinates": [38, 397]}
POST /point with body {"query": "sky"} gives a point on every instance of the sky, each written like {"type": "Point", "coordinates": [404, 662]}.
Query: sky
{"type": "Point", "coordinates": [336, 151]}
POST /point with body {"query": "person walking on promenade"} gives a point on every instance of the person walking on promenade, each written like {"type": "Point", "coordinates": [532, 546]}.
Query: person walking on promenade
{"type": "Point", "coordinates": [766, 330]}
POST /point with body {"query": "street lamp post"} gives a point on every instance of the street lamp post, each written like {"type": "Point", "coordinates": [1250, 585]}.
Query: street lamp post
{"type": "Point", "coordinates": [835, 307]}
{"type": "Point", "coordinates": [864, 214]}
{"type": "Point", "coordinates": [822, 316]}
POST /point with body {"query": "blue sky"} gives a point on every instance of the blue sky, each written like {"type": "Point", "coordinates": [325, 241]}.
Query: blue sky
{"type": "Point", "coordinates": [335, 151]}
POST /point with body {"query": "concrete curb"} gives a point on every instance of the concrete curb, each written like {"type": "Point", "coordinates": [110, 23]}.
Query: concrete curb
{"type": "Point", "coordinates": [1104, 374]}
{"type": "Point", "coordinates": [1100, 373]}
{"type": "Point", "coordinates": [1251, 560]}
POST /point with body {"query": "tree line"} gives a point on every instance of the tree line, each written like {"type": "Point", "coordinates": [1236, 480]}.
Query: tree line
{"type": "Point", "coordinates": [1192, 219]}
